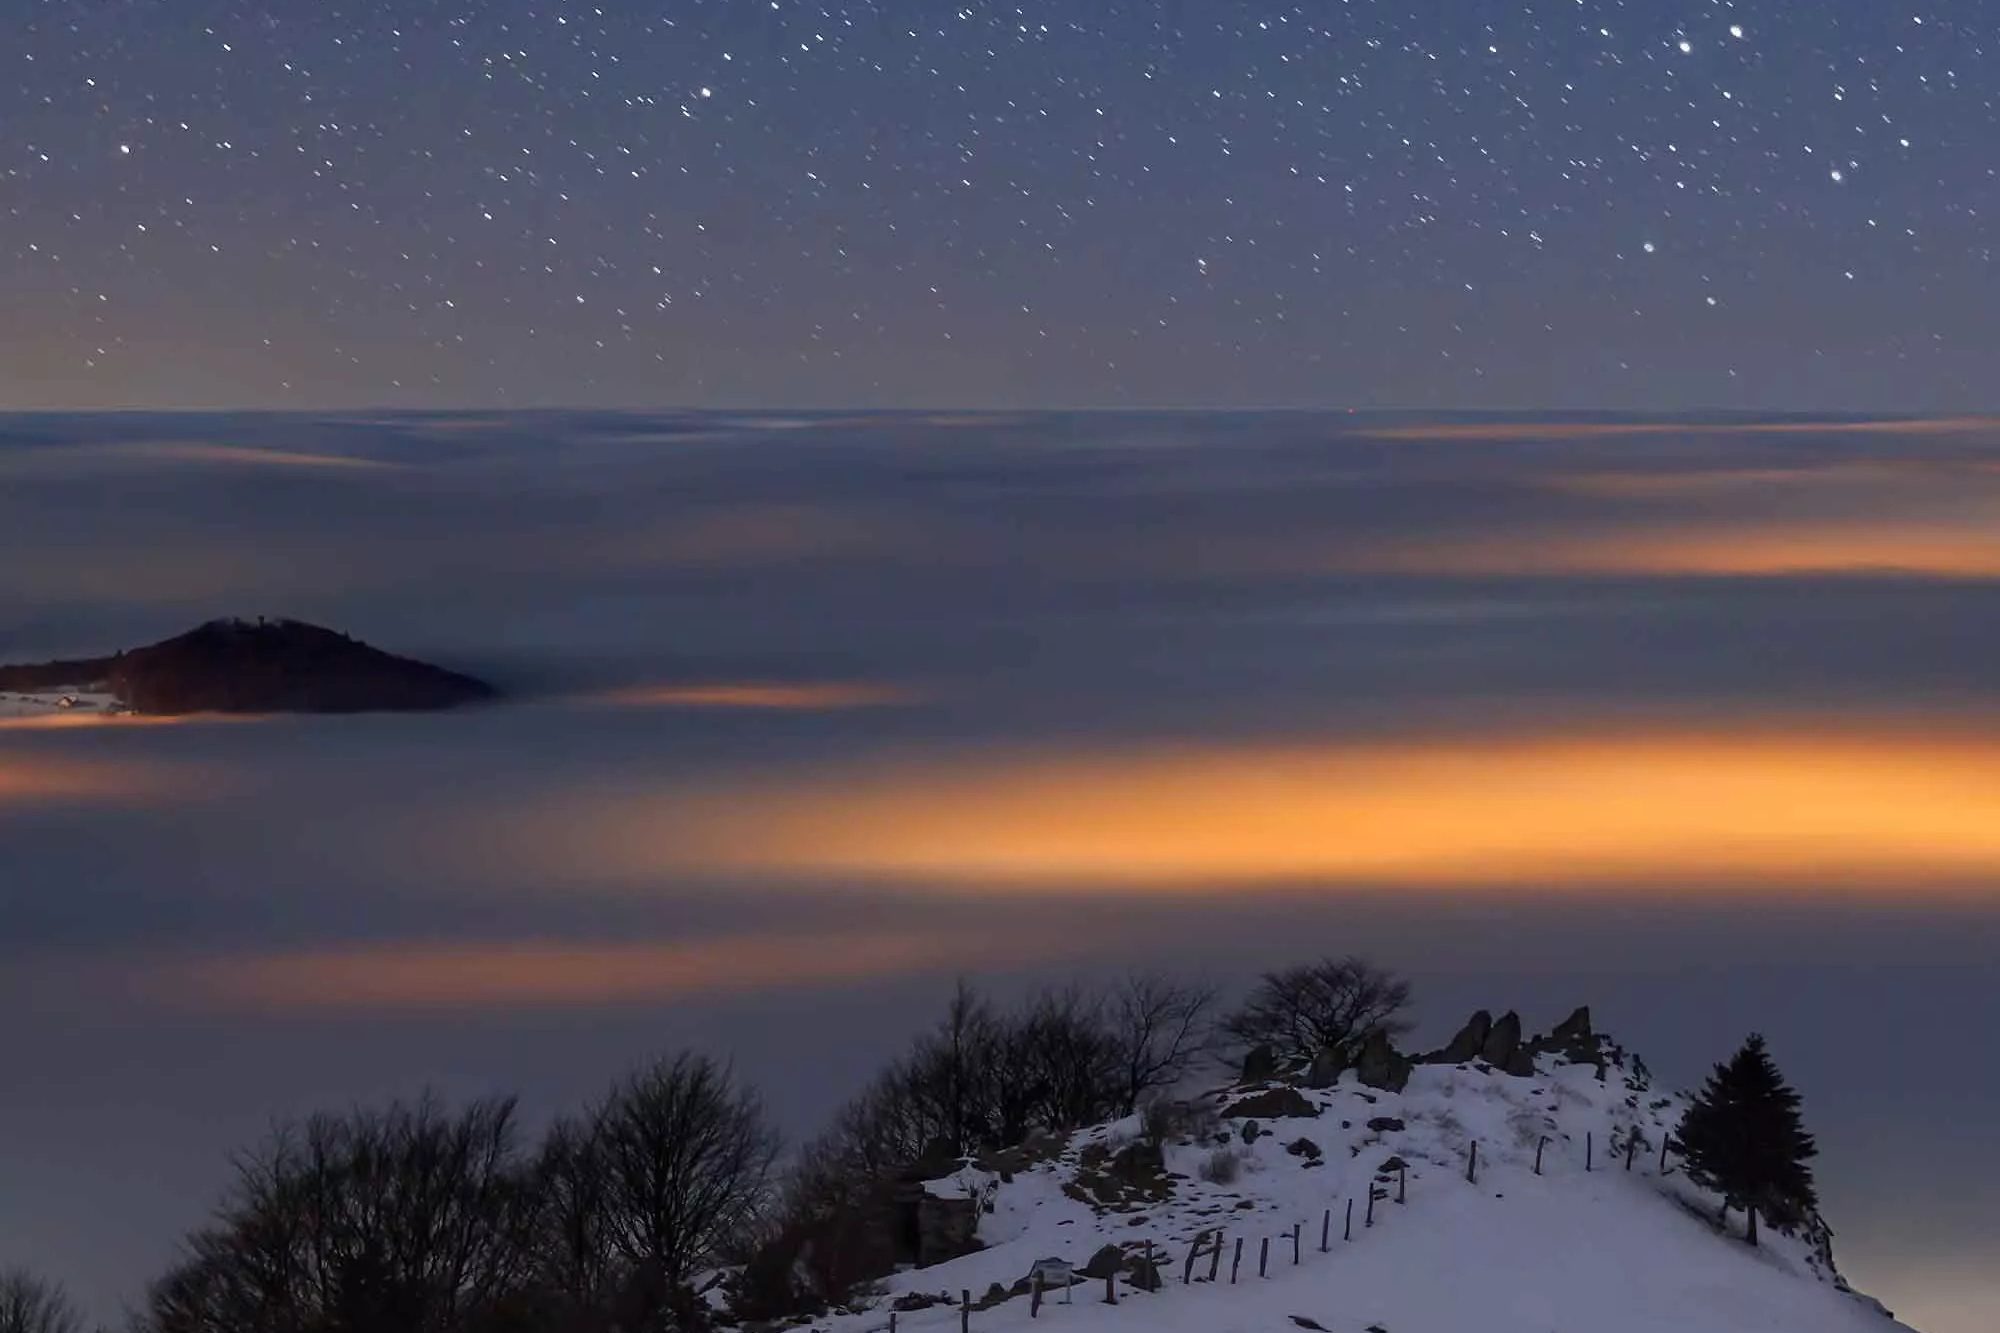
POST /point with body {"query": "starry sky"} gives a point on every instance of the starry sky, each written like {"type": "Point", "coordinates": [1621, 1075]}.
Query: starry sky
{"type": "Point", "coordinates": [755, 203]}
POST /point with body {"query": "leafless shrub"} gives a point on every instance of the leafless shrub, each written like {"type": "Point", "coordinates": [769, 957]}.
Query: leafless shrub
{"type": "Point", "coordinates": [1223, 1167]}
{"type": "Point", "coordinates": [1159, 1026]}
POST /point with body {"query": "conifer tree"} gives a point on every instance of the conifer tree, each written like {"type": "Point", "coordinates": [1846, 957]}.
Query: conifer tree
{"type": "Point", "coordinates": [1743, 1138]}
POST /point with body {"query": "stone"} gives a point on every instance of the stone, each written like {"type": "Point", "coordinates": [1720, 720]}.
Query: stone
{"type": "Point", "coordinates": [1273, 1104]}
{"type": "Point", "coordinates": [1469, 1042]}
{"type": "Point", "coordinates": [1138, 1163]}
{"type": "Point", "coordinates": [1260, 1065]}
{"type": "Point", "coordinates": [1109, 1261]}
{"type": "Point", "coordinates": [1573, 1028]}
{"type": "Point", "coordinates": [1326, 1068]}
{"type": "Point", "coordinates": [1304, 1147]}
{"type": "Point", "coordinates": [1502, 1041]}
{"type": "Point", "coordinates": [1250, 1131]}
{"type": "Point", "coordinates": [946, 1229]}
{"type": "Point", "coordinates": [1381, 1065]}
{"type": "Point", "coordinates": [1385, 1124]}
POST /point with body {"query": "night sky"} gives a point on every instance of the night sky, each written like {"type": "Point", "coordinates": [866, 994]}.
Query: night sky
{"type": "Point", "coordinates": [1478, 203]}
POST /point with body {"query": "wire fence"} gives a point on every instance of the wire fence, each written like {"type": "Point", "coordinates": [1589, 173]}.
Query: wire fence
{"type": "Point", "coordinates": [1216, 1256]}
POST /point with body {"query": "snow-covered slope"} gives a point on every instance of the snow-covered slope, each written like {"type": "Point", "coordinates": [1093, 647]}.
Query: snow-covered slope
{"type": "Point", "coordinates": [1571, 1250]}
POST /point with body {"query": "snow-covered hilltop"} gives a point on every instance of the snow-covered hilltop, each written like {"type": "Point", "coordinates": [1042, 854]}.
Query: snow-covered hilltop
{"type": "Point", "coordinates": [1267, 1173]}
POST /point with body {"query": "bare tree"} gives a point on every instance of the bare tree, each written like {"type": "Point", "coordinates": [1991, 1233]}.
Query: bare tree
{"type": "Point", "coordinates": [948, 1090]}
{"type": "Point", "coordinates": [409, 1220]}
{"type": "Point", "coordinates": [1159, 1026]}
{"type": "Point", "coordinates": [570, 1249]}
{"type": "Point", "coordinates": [687, 1162]}
{"type": "Point", "coordinates": [1073, 1059]}
{"type": "Point", "coordinates": [29, 1304]}
{"type": "Point", "coordinates": [1335, 1004]}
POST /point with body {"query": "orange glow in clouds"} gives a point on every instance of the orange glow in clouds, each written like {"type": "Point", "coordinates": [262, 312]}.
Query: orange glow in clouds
{"type": "Point", "coordinates": [1784, 808]}
{"type": "Point", "coordinates": [1744, 549]}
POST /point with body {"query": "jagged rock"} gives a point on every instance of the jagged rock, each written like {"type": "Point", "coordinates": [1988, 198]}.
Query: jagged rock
{"type": "Point", "coordinates": [1469, 1042]}
{"type": "Point", "coordinates": [1503, 1041]}
{"type": "Point", "coordinates": [1573, 1040]}
{"type": "Point", "coordinates": [1304, 1147]}
{"type": "Point", "coordinates": [1383, 1124]}
{"type": "Point", "coordinates": [1326, 1068]}
{"type": "Point", "coordinates": [1381, 1065]}
{"type": "Point", "coordinates": [1274, 1104]}
{"type": "Point", "coordinates": [1260, 1065]}
{"type": "Point", "coordinates": [1522, 1065]}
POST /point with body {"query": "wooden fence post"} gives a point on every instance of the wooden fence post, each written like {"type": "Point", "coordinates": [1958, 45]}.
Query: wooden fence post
{"type": "Point", "coordinates": [1035, 1297]}
{"type": "Point", "coordinates": [965, 1310]}
{"type": "Point", "coordinates": [1215, 1255]}
{"type": "Point", "coordinates": [1538, 1153]}
{"type": "Point", "coordinates": [1665, 1139]}
{"type": "Point", "coordinates": [1589, 1150]}
{"type": "Point", "coordinates": [1631, 1147]}
{"type": "Point", "coordinates": [1111, 1288]}
{"type": "Point", "coordinates": [1194, 1252]}
{"type": "Point", "coordinates": [1472, 1164]}
{"type": "Point", "coordinates": [1263, 1256]}
{"type": "Point", "coordinates": [1403, 1183]}
{"type": "Point", "coordinates": [1372, 1192]}
{"type": "Point", "coordinates": [1347, 1229]}
{"type": "Point", "coordinates": [1325, 1230]}
{"type": "Point", "coordinates": [1298, 1230]}
{"type": "Point", "coordinates": [892, 1321]}
{"type": "Point", "coordinates": [1151, 1273]}
{"type": "Point", "coordinates": [1236, 1261]}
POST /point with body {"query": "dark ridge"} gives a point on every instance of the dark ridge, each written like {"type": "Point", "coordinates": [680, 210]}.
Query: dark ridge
{"type": "Point", "coordinates": [260, 666]}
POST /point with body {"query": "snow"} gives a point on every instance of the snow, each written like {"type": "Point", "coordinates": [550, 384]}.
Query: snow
{"type": "Point", "coordinates": [1608, 1250]}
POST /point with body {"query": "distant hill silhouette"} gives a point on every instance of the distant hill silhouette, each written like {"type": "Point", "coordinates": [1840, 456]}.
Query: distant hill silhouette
{"type": "Point", "coordinates": [261, 666]}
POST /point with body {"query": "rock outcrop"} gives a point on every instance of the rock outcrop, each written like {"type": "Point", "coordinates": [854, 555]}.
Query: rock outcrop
{"type": "Point", "coordinates": [1467, 1045]}
{"type": "Point", "coordinates": [1381, 1065]}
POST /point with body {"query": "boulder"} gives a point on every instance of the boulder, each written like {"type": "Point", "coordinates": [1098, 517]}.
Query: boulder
{"type": "Point", "coordinates": [1260, 1065]}
{"type": "Point", "coordinates": [1384, 1124]}
{"type": "Point", "coordinates": [1273, 1104]}
{"type": "Point", "coordinates": [1109, 1261]}
{"type": "Point", "coordinates": [1503, 1041]}
{"type": "Point", "coordinates": [1303, 1147]}
{"type": "Point", "coordinates": [1381, 1065]}
{"type": "Point", "coordinates": [1469, 1042]}
{"type": "Point", "coordinates": [946, 1229]}
{"type": "Point", "coordinates": [1138, 1163]}
{"type": "Point", "coordinates": [1326, 1068]}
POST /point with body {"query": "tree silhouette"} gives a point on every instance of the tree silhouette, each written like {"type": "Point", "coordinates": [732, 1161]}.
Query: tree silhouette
{"type": "Point", "coordinates": [1743, 1138]}
{"type": "Point", "coordinates": [1334, 1004]}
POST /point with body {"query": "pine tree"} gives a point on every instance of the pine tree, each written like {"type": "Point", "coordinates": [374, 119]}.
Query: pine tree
{"type": "Point", "coordinates": [1743, 1138]}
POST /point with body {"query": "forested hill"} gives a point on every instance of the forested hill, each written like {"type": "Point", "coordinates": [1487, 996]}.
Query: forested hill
{"type": "Point", "coordinates": [261, 666]}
